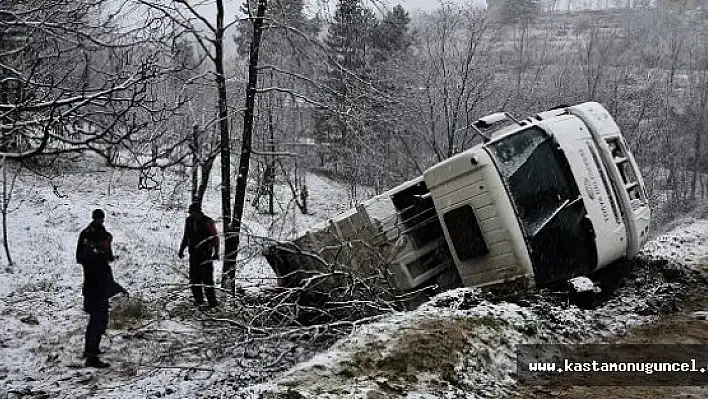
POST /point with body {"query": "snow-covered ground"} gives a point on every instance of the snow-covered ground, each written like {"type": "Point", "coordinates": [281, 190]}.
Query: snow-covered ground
{"type": "Point", "coordinates": [40, 294]}
{"type": "Point", "coordinates": [460, 344]}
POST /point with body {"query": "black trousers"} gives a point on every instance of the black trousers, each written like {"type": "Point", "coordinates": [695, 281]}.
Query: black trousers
{"type": "Point", "coordinates": [98, 322]}
{"type": "Point", "coordinates": [201, 278]}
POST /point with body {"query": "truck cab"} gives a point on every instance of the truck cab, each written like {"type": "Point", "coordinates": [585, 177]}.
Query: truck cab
{"type": "Point", "coordinates": [545, 199]}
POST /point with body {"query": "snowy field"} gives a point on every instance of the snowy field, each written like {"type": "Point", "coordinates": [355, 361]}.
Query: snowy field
{"type": "Point", "coordinates": [40, 294]}
{"type": "Point", "coordinates": [159, 346]}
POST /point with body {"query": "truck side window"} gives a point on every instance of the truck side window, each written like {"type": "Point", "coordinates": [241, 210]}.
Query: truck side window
{"type": "Point", "coordinates": [465, 233]}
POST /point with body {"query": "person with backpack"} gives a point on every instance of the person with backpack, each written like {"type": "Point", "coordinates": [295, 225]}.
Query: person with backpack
{"type": "Point", "coordinates": [202, 240]}
{"type": "Point", "coordinates": [94, 252]}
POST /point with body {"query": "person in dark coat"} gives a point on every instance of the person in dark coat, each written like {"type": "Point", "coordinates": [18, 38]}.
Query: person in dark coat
{"type": "Point", "coordinates": [94, 252]}
{"type": "Point", "coordinates": [202, 240]}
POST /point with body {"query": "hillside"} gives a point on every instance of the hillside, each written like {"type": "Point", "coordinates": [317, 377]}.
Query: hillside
{"type": "Point", "coordinates": [459, 344]}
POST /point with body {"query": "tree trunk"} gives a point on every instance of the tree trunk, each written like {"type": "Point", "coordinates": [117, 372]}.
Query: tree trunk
{"type": "Point", "coordinates": [194, 147]}
{"type": "Point", "coordinates": [225, 136]}
{"type": "Point", "coordinates": [696, 156]}
{"type": "Point", "coordinates": [270, 171]}
{"type": "Point", "coordinates": [232, 239]}
{"type": "Point", "coordinates": [5, 204]}
{"type": "Point", "coordinates": [205, 168]}
{"type": "Point", "coordinates": [697, 143]}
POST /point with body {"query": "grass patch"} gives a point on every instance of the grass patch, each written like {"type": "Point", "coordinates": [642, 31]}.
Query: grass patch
{"type": "Point", "coordinates": [289, 393]}
{"type": "Point", "coordinates": [127, 311]}
{"type": "Point", "coordinates": [40, 286]}
{"type": "Point", "coordinates": [432, 346]}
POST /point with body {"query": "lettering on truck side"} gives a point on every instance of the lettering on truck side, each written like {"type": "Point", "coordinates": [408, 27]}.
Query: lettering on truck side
{"type": "Point", "coordinates": [592, 185]}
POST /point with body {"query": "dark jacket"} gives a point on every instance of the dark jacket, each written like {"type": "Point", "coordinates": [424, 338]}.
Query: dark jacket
{"type": "Point", "coordinates": [93, 252]}
{"type": "Point", "coordinates": [200, 237]}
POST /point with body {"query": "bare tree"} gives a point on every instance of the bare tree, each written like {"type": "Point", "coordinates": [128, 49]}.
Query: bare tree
{"type": "Point", "coordinates": [232, 240]}
{"type": "Point", "coordinates": [7, 188]}
{"type": "Point", "coordinates": [595, 51]}
{"type": "Point", "coordinates": [452, 81]}
{"type": "Point", "coordinates": [69, 82]}
{"type": "Point", "coordinates": [696, 114]}
{"type": "Point", "coordinates": [209, 35]}
{"type": "Point", "coordinates": [281, 127]}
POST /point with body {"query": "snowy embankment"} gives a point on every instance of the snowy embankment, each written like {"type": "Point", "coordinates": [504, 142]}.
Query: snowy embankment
{"type": "Point", "coordinates": [459, 344]}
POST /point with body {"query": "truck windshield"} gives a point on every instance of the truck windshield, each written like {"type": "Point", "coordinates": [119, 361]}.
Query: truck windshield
{"type": "Point", "coordinates": [548, 204]}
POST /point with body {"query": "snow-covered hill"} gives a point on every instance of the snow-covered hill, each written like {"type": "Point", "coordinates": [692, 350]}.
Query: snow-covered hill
{"type": "Point", "coordinates": [460, 344]}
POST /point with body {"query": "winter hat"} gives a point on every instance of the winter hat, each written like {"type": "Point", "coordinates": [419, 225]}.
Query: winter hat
{"type": "Point", "coordinates": [98, 214]}
{"type": "Point", "coordinates": [195, 207]}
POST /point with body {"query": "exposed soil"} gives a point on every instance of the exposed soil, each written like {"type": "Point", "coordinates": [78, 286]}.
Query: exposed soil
{"type": "Point", "coordinates": [681, 327]}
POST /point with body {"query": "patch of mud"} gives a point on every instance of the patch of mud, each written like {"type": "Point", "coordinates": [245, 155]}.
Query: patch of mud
{"type": "Point", "coordinates": [678, 328]}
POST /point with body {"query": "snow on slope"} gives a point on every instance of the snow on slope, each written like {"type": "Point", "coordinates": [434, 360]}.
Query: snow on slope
{"type": "Point", "coordinates": [41, 337]}
{"type": "Point", "coordinates": [461, 345]}
{"type": "Point", "coordinates": [685, 245]}
{"type": "Point", "coordinates": [461, 341]}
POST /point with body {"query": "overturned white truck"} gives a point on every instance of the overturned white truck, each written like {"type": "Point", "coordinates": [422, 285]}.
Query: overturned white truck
{"type": "Point", "coordinates": [543, 200]}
